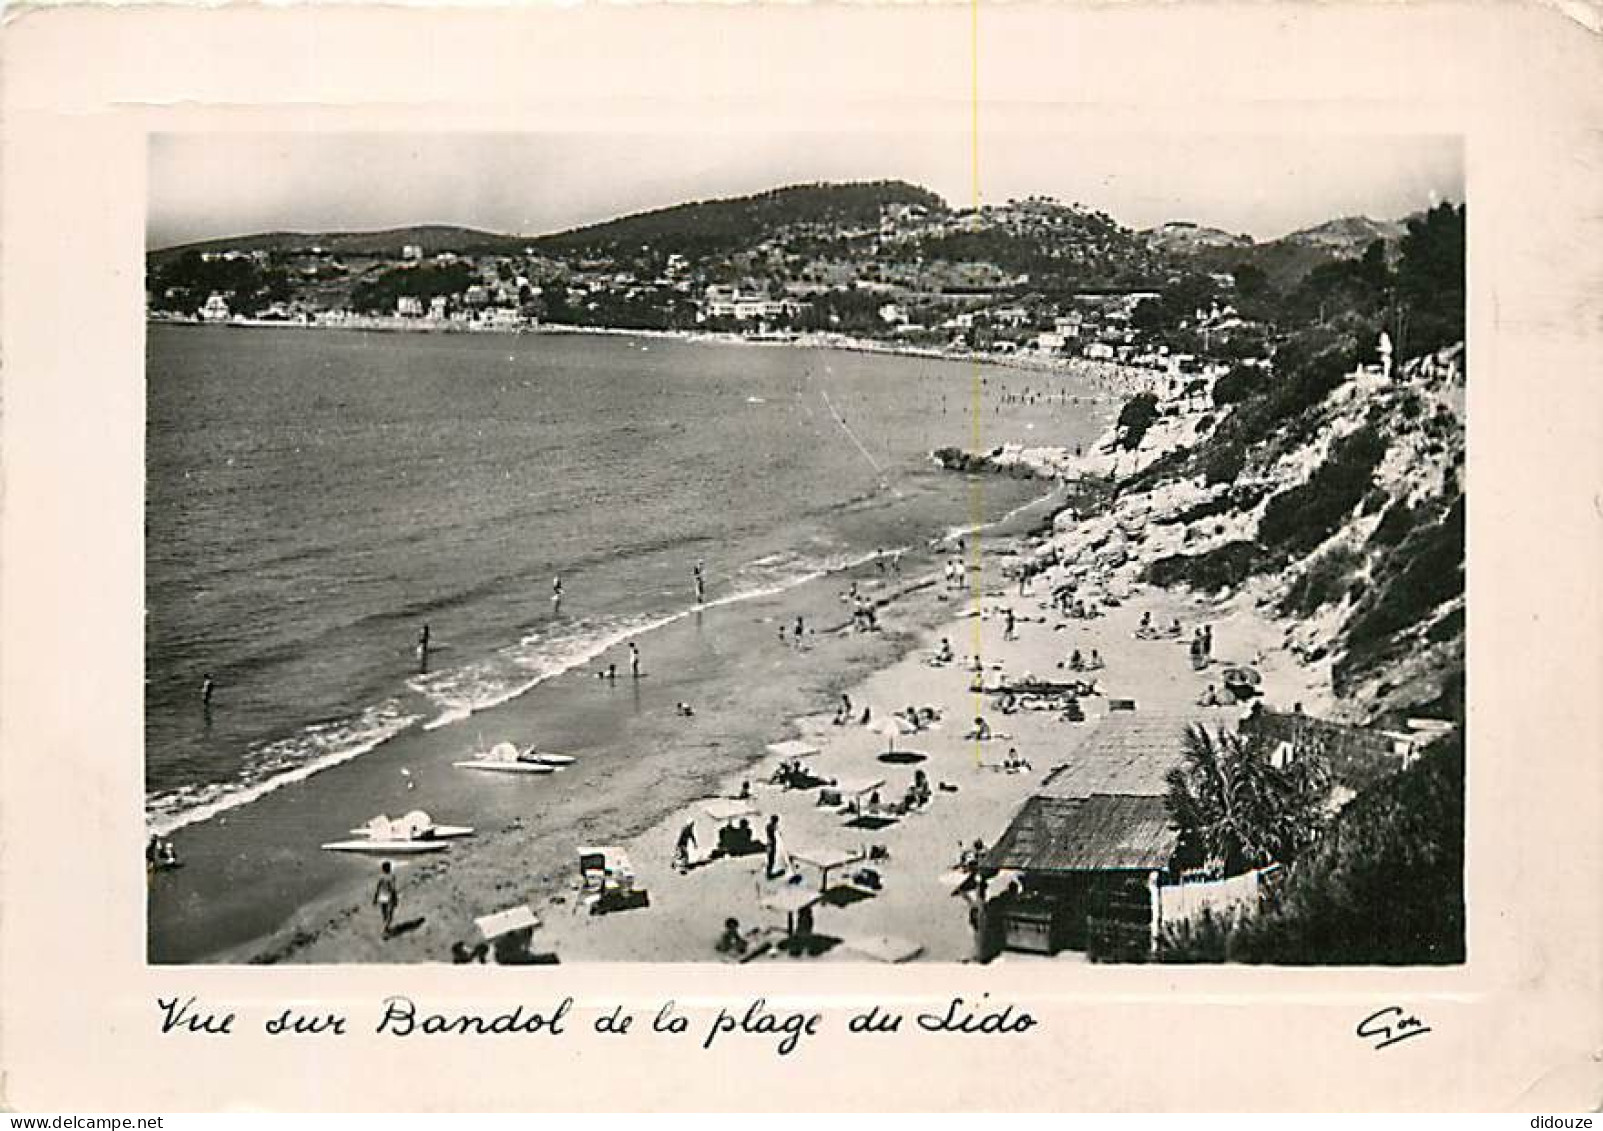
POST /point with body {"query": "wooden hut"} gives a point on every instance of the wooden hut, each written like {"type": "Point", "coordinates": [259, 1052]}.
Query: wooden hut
{"type": "Point", "coordinates": [1078, 873]}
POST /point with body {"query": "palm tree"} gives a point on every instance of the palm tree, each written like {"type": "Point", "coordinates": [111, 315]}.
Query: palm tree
{"type": "Point", "coordinates": [1236, 810]}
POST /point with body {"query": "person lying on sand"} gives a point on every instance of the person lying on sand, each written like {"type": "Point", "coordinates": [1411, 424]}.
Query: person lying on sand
{"type": "Point", "coordinates": [1012, 763]}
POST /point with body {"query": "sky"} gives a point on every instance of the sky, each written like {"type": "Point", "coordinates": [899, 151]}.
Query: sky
{"type": "Point", "coordinates": [208, 185]}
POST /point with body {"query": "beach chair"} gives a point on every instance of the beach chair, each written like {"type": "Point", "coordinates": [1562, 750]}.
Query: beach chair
{"type": "Point", "coordinates": [607, 880]}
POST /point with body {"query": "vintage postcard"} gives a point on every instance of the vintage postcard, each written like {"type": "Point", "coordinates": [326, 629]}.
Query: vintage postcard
{"type": "Point", "coordinates": [965, 537]}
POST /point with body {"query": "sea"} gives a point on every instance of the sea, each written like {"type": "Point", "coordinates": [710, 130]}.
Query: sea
{"type": "Point", "coordinates": [316, 497]}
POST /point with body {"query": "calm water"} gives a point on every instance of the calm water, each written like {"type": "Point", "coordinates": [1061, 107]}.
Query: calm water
{"type": "Point", "coordinates": [314, 498]}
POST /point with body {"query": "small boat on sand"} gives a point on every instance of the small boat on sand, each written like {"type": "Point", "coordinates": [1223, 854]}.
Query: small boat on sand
{"type": "Point", "coordinates": [503, 758]}
{"type": "Point", "coordinates": [388, 847]}
{"type": "Point", "coordinates": [416, 825]}
{"type": "Point", "coordinates": [540, 757]}
{"type": "Point", "coordinates": [412, 834]}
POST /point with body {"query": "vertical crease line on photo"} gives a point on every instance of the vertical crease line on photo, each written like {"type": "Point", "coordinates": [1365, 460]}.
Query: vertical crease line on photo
{"type": "Point", "coordinates": [977, 488]}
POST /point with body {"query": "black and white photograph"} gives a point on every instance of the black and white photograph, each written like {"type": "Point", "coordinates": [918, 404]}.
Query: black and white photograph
{"type": "Point", "coordinates": [786, 558]}
{"type": "Point", "coordinates": [803, 549]}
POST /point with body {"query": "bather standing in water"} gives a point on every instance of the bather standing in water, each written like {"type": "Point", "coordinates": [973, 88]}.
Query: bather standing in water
{"type": "Point", "coordinates": [556, 595]}
{"type": "Point", "coordinates": [634, 661]}
{"type": "Point", "coordinates": [701, 585]}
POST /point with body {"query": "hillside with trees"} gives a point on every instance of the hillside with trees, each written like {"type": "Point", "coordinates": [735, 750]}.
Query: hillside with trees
{"type": "Point", "coordinates": [703, 228]}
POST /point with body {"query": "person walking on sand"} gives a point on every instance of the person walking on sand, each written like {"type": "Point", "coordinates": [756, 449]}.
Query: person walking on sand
{"type": "Point", "coordinates": [386, 896]}
{"type": "Point", "coordinates": [686, 841]}
{"type": "Point", "coordinates": [1011, 631]}
{"type": "Point", "coordinates": [800, 628]}
{"type": "Point", "coordinates": [634, 661]}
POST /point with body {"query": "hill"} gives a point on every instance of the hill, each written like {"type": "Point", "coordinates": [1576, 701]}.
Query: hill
{"type": "Point", "coordinates": [431, 238]}
{"type": "Point", "coordinates": [1285, 261]}
{"type": "Point", "coordinates": [1183, 236]}
{"type": "Point", "coordinates": [1348, 236]}
{"type": "Point", "coordinates": [711, 227]}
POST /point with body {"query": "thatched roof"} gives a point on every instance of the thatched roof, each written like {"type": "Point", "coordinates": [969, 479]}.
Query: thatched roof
{"type": "Point", "coordinates": [1103, 832]}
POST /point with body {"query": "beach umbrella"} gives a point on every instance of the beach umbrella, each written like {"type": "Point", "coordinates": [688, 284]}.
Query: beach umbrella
{"type": "Point", "coordinates": [501, 923]}
{"type": "Point", "coordinates": [890, 728]}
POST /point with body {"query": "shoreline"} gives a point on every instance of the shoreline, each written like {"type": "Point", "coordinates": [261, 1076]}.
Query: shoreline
{"type": "Point", "coordinates": [882, 670]}
{"type": "Point", "coordinates": [321, 805]}
{"type": "Point", "coordinates": [452, 889]}
{"type": "Point", "coordinates": [561, 710]}
{"type": "Point", "coordinates": [1108, 375]}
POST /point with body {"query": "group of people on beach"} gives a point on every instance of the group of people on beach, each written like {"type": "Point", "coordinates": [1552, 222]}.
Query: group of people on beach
{"type": "Point", "coordinates": [160, 854]}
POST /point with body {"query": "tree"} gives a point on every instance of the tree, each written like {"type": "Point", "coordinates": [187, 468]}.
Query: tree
{"type": "Point", "coordinates": [1135, 418]}
{"type": "Point", "coordinates": [1236, 810]}
{"type": "Point", "coordinates": [1430, 281]}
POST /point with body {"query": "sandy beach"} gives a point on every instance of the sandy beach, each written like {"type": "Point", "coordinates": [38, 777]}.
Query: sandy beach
{"type": "Point", "coordinates": [903, 899]}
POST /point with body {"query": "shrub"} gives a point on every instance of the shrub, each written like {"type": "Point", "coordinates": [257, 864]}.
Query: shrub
{"type": "Point", "coordinates": [1223, 567]}
{"type": "Point", "coordinates": [1311, 381]}
{"type": "Point", "coordinates": [1204, 939]}
{"type": "Point", "coordinates": [1385, 883]}
{"type": "Point", "coordinates": [1135, 418]}
{"type": "Point", "coordinates": [1220, 504]}
{"type": "Point", "coordinates": [1325, 579]}
{"type": "Point", "coordinates": [1448, 627]}
{"type": "Point", "coordinates": [1300, 518]}
{"type": "Point", "coordinates": [1394, 525]}
{"type": "Point", "coordinates": [1225, 463]}
{"type": "Point", "coordinates": [1432, 573]}
{"type": "Point", "coordinates": [1241, 382]}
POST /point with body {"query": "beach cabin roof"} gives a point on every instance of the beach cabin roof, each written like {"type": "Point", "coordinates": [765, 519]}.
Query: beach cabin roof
{"type": "Point", "coordinates": [1101, 833]}
{"type": "Point", "coordinates": [1128, 753]}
